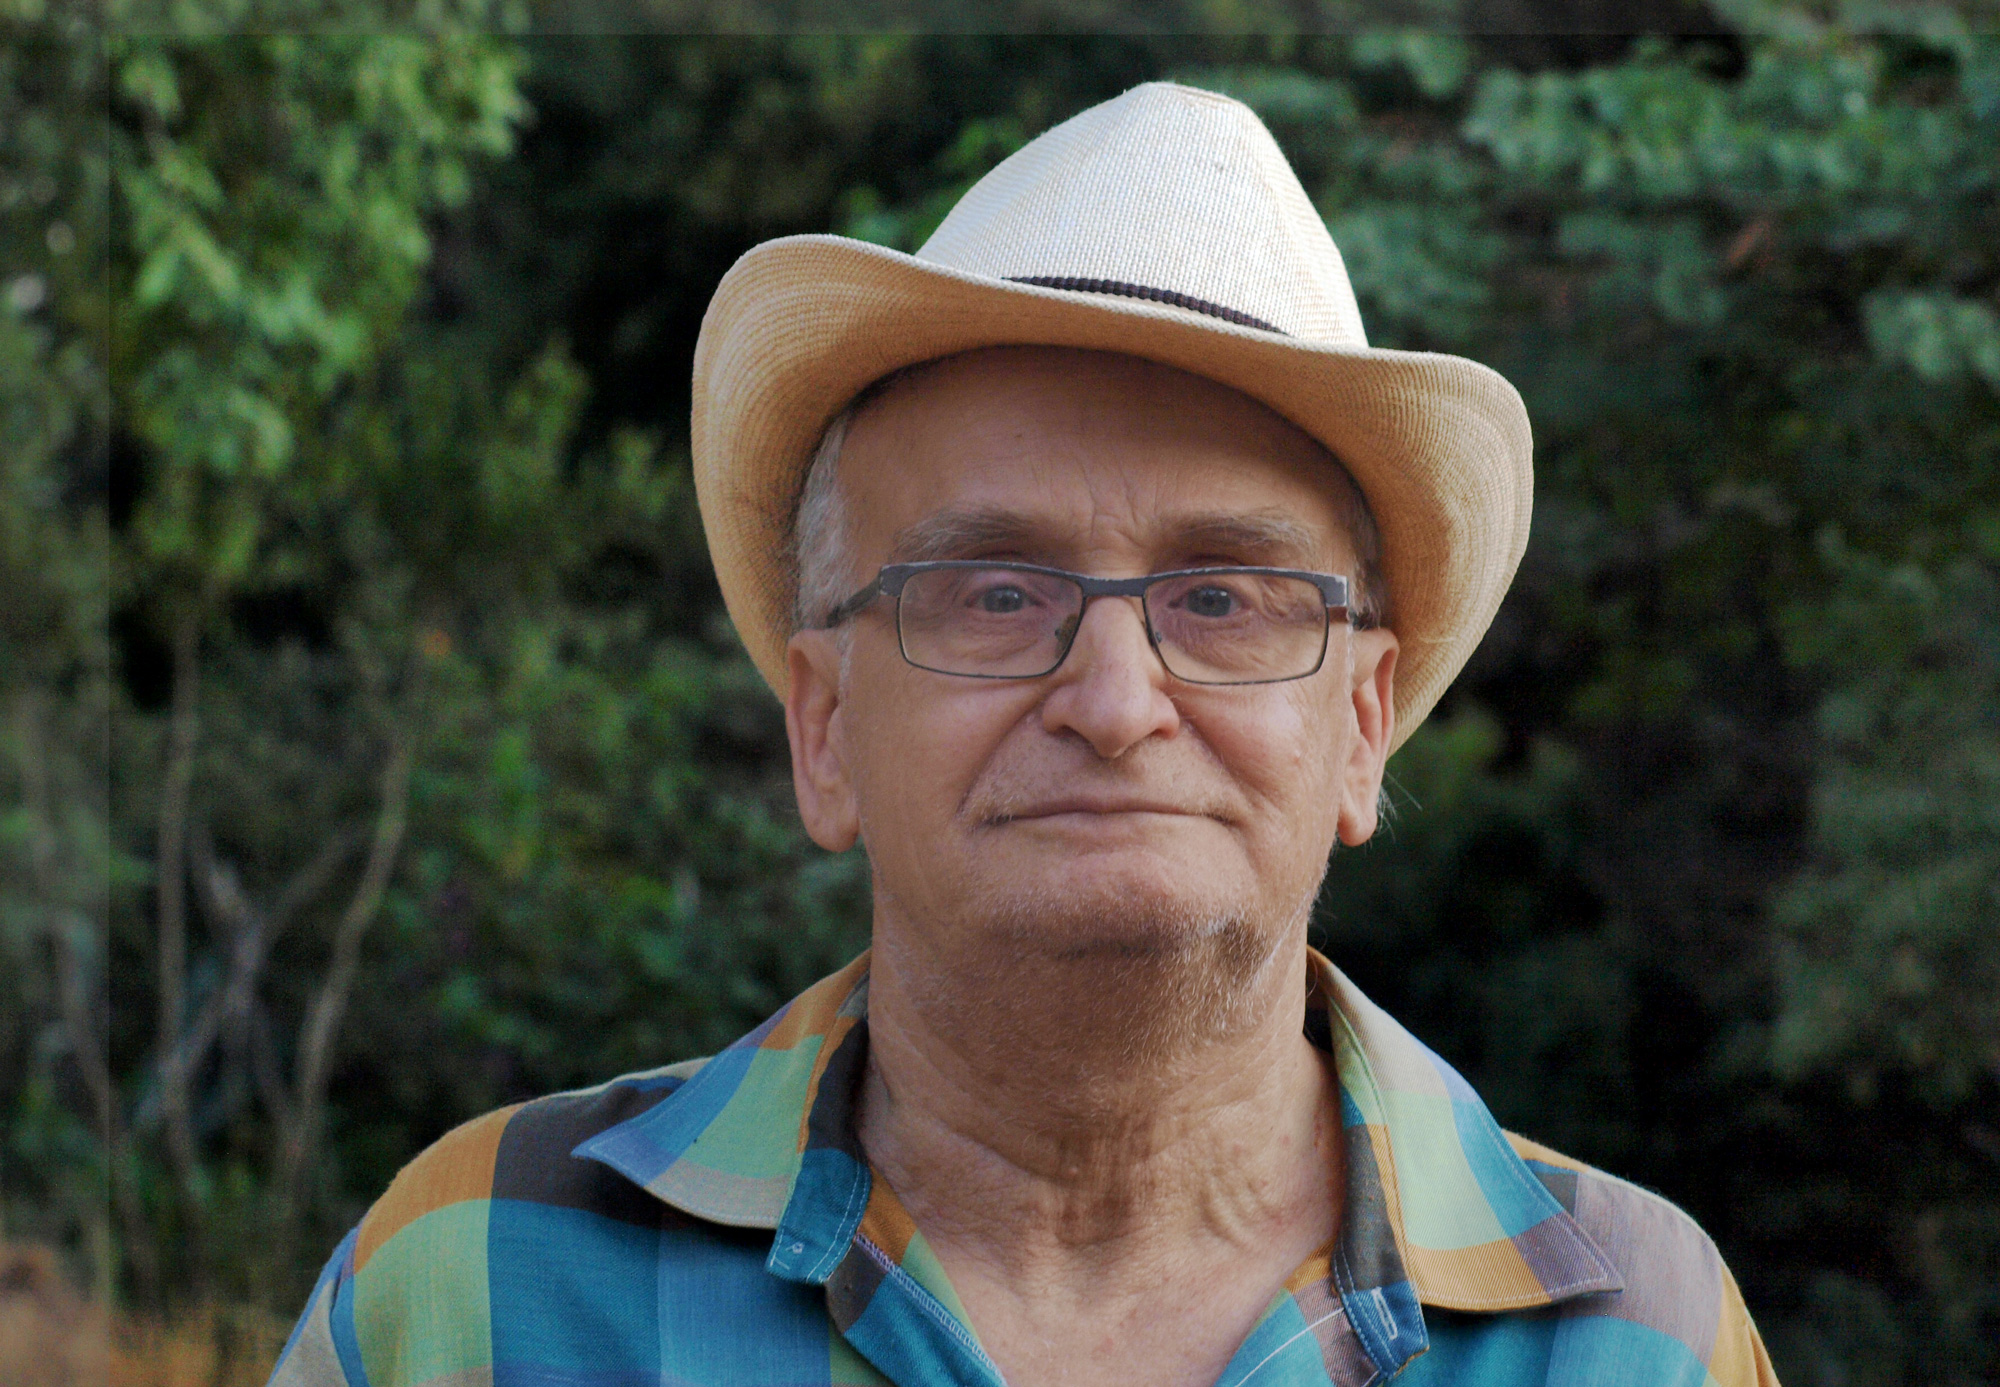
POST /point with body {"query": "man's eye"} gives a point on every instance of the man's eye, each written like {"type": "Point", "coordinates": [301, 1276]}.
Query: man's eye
{"type": "Point", "coordinates": [1210, 601]}
{"type": "Point", "coordinates": [1002, 601]}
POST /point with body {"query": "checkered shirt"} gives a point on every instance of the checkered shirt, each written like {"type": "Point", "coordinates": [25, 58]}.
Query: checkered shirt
{"type": "Point", "coordinates": [716, 1224]}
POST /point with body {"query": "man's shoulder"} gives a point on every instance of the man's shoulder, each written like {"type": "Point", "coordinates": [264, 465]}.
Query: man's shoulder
{"type": "Point", "coordinates": [521, 1153]}
{"type": "Point", "coordinates": [1639, 1230]}
{"type": "Point", "coordinates": [1675, 1281]}
{"type": "Point", "coordinates": [480, 1242]}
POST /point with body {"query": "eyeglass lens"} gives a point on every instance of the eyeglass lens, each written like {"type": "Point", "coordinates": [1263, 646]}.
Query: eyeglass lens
{"type": "Point", "coordinates": [1210, 628]}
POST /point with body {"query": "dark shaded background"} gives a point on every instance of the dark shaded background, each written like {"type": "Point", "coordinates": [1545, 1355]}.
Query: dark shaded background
{"type": "Point", "coordinates": [348, 525]}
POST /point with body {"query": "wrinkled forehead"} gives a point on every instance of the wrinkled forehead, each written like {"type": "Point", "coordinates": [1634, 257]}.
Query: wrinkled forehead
{"type": "Point", "coordinates": [1055, 453]}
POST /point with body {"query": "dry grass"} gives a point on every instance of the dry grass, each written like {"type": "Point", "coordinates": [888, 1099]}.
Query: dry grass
{"type": "Point", "coordinates": [217, 1346]}
{"type": "Point", "coordinates": [50, 1336]}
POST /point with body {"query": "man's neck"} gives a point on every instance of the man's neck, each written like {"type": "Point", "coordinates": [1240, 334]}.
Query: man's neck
{"type": "Point", "coordinates": [1072, 1147]}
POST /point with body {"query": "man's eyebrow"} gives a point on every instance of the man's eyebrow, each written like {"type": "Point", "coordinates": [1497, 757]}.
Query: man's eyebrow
{"type": "Point", "coordinates": [1242, 535]}
{"type": "Point", "coordinates": [1260, 534]}
{"type": "Point", "coordinates": [952, 534]}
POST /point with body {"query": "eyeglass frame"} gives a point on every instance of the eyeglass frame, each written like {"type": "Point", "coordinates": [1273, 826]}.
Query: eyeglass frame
{"type": "Point", "coordinates": [890, 579]}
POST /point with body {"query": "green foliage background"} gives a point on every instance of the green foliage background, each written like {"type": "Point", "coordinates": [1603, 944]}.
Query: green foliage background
{"type": "Point", "coordinates": [376, 750]}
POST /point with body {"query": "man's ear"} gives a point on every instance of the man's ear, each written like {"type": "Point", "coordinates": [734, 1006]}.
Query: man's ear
{"type": "Point", "coordinates": [812, 723]}
{"type": "Point", "coordinates": [1373, 698]}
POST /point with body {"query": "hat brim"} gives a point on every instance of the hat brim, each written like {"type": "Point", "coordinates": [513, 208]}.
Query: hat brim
{"type": "Point", "coordinates": [1438, 444]}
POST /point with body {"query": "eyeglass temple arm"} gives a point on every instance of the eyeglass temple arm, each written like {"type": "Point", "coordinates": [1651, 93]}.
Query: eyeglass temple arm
{"type": "Point", "coordinates": [852, 605]}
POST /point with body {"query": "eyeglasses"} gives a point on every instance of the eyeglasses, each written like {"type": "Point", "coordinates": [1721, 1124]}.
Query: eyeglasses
{"type": "Point", "coordinates": [1018, 621]}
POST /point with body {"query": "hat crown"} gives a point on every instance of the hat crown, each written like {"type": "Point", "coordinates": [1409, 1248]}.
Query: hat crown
{"type": "Point", "coordinates": [1176, 193]}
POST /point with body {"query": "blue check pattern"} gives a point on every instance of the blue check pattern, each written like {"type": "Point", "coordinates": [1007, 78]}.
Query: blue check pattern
{"type": "Point", "coordinates": [716, 1224]}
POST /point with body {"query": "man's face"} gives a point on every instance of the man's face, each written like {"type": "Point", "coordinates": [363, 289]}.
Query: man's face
{"type": "Point", "coordinates": [1106, 806]}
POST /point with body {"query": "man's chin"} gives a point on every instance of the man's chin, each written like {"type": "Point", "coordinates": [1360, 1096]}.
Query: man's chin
{"type": "Point", "coordinates": [1116, 911]}
{"type": "Point", "coordinates": [1141, 968]}
{"type": "Point", "coordinates": [1137, 949]}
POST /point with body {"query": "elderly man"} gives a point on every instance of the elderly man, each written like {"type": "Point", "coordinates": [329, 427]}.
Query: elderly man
{"type": "Point", "coordinates": [1101, 565]}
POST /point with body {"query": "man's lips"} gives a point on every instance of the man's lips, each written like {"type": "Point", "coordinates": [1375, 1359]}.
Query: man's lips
{"type": "Point", "coordinates": [1081, 805]}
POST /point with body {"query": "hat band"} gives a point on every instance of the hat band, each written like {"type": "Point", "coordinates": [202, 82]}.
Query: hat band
{"type": "Point", "coordinates": [1142, 291]}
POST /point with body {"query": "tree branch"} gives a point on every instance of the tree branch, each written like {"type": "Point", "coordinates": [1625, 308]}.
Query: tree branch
{"type": "Point", "coordinates": [251, 933]}
{"type": "Point", "coordinates": [305, 885]}
{"type": "Point", "coordinates": [329, 1004]}
{"type": "Point", "coordinates": [264, 1071]}
{"type": "Point", "coordinates": [245, 927]}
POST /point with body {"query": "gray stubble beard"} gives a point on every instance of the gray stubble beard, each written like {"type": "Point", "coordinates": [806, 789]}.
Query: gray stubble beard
{"type": "Point", "coordinates": [1134, 993]}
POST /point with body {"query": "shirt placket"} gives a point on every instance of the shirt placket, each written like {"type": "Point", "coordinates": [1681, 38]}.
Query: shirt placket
{"type": "Point", "coordinates": [1355, 1323]}
{"type": "Point", "coordinates": [1305, 1340]}
{"type": "Point", "coordinates": [885, 1313]}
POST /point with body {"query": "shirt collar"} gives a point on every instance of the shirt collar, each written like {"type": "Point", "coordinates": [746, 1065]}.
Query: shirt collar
{"type": "Point", "coordinates": [1439, 1208]}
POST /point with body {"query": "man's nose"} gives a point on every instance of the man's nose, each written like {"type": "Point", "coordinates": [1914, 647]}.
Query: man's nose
{"type": "Point", "coordinates": [1111, 689]}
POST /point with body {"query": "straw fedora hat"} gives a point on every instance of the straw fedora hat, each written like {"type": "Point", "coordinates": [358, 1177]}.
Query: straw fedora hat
{"type": "Point", "coordinates": [1166, 224]}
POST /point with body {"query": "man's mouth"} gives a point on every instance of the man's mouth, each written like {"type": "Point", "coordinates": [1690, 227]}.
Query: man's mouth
{"type": "Point", "coordinates": [1093, 805]}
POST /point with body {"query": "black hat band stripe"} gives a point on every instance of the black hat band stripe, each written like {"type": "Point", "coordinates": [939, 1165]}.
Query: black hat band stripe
{"type": "Point", "coordinates": [1142, 291]}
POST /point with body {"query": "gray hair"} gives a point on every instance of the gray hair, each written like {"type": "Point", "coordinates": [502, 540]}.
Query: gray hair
{"type": "Point", "coordinates": [823, 560]}
{"type": "Point", "coordinates": [820, 536]}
